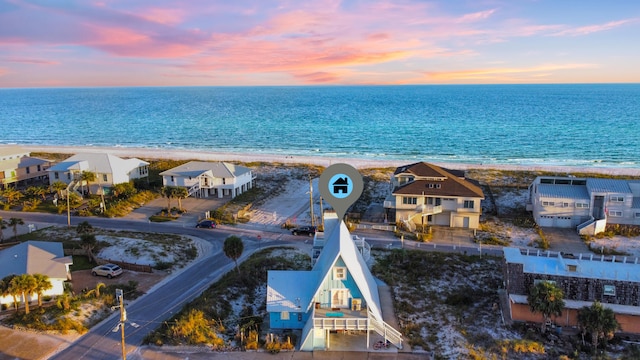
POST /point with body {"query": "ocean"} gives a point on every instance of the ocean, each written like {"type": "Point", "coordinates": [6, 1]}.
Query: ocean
{"type": "Point", "coordinates": [566, 125]}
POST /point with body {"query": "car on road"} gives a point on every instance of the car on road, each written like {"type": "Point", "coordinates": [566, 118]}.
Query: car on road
{"type": "Point", "coordinates": [304, 230]}
{"type": "Point", "coordinates": [206, 224]}
{"type": "Point", "coordinates": [108, 270]}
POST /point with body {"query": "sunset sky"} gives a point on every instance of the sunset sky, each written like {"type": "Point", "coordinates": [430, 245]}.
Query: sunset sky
{"type": "Point", "coordinates": [56, 43]}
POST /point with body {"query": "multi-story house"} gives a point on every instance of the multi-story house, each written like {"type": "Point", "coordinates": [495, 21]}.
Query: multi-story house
{"type": "Point", "coordinates": [204, 179]}
{"type": "Point", "coordinates": [613, 281]}
{"type": "Point", "coordinates": [424, 194]}
{"type": "Point", "coordinates": [18, 167]}
{"type": "Point", "coordinates": [109, 170]}
{"type": "Point", "coordinates": [586, 204]}
{"type": "Point", "coordinates": [338, 295]}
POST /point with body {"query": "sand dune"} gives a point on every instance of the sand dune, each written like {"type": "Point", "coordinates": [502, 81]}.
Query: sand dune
{"type": "Point", "coordinates": [180, 154]}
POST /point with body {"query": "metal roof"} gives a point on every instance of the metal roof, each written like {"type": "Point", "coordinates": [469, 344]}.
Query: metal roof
{"type": "Point", "coordinates": [577, 192]}
{"type": "Point", "coordinates": [197, 168]}
{"type": "Point", "coordinates": [98, 163]}
{"type": "Point", "coordinates": [35, 257]}
{"type": "Point", "coordinates": [608, 186]}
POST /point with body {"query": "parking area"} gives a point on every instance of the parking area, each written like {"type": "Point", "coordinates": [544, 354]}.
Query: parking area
{"type": "Point", "coordinates": [565, 240]}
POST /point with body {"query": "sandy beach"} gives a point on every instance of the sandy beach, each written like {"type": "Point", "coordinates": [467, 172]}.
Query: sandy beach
{"type": "Point", "coordinates": [182, 154]}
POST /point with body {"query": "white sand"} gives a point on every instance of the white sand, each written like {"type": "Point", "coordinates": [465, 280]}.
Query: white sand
{"type": "Point", "coordinates": [181, 154]}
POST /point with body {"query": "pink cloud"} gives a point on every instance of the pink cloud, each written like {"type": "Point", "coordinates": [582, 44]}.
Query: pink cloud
{"type": "Point", "coordinates": [586, 30]}
{"type": "Point", "coordinates": [494, 73]}
{"type": "Point", "coordinates": [477, 16]}
{"type": "Point", "coordinates": [29, 61]}
{"type": "Point", "coordinates": [163, 16]}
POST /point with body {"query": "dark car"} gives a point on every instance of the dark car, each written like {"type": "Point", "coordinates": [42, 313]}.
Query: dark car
{"type": "Point", "coordinates": [304, 230]}
{"type": "Point", "coordinates": [207, 224]}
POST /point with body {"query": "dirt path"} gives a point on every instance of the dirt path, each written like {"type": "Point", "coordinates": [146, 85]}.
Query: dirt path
{"type": "Point", "coordinates": [293, 205]}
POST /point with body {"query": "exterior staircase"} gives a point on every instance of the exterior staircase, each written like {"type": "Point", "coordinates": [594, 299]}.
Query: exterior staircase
{"type": "Point", "coordinates": [194, 189]}
{"type": "Point", "coordinates": [385, 330]}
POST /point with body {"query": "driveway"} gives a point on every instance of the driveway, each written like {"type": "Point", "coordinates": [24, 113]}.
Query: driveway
{"type": "Point", "coordinates": [565, 240]}
{"type": "Point", "coordinates": [196, 208]}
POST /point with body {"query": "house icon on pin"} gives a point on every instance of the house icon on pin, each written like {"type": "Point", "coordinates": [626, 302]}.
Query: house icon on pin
{"type": "Point", "coordinates": [341, 185]}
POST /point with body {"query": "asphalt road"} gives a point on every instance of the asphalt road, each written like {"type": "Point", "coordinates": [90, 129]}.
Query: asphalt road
{"type": "Point", "coordinates": [146, 313]}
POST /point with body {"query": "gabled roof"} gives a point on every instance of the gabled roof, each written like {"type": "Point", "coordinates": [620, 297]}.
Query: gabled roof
{"type": "Point", "coordinates": [577, 192]}
{"type": "Point", "coordinates": [339, 244]}
{"type": "Point", "coordinates": [438, 182]}
{"type": "Point", "coordinates": [289, 290]}
{"type": "Point", "coordinates": [608, 186]}
{"type": "Point", "coordinates": [98, 163]}
{"type": "Point", "coordinates": [197, 168]}
{"type": "Point", "coordinates": [34, 257]}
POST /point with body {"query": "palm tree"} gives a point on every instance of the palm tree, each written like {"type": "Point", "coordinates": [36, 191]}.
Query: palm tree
{"type": "Point", "coordinates": [84, 228]}
{"type": "Point", "coordinates": [14, 222]}
{"type": "Point", "coordinates": [88, 176]}
{"type": "Point", "coordinates": [37, 191]}
{"type": "Point", "coordinates": [7, 289]}
{"type": "Point", "coordinates": [26, 285]}
{"type": "Point", "coordinates": [89, 242]}
{"type": "Point", "coordinates": [180, 193]}
{"type": "Point", "coordinates": [42, 284]}
{"type": "Point", "coordinates": [11, 195]}
{"type": "Point", "coordinates": [58, 186]}
{"type": "Point", "coordinates": [233, 248]}
{"type": "Point", "coordinates": [167, 191]}
{"type": "Point", "coordinates": [546, 298]}
{"type": "Point", "coordinates": [597, 320]}
{"type": "Point", "coordinates": [96, 291]}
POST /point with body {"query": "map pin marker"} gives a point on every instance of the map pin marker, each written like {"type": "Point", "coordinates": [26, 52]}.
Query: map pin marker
{"type": "Point", "coordinates": [341, 185]}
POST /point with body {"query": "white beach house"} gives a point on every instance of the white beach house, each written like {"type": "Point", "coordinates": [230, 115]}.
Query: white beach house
{"type": "Point", "coordinates": [205, 179]}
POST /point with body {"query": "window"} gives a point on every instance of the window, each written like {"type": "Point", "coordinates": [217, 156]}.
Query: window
{"type": "Point", "coordinates": [637, 215]}
{"type": "Point", "coordinates": [610, 290]}
{"type": "Point", "coordinates": [28, 170]}
{"type": "Point", "coordinates": [468, 204]}
{"type": "Point", "coordinates": [56, 175]}
{"type": "Point", "coordinates": [548, 203]}
{"type": "Point", "coordinates": [339, 273]}
{"type": "Point", "coordinates": [617, 198]}
{"type": "Point", "coordinates": [582, 205]}
{"type": "Point", "coordinates": [561, 204]}
{"type": "Point", "coordinates": [173, 179]}
{"type": "Point", "coordinates": [537, 281]}
{"type": "Point", "coordinates": [224, 181]}
{"type": "Point", "coordinates": [448, 199]}
{"type": "Point", "coordinates": [68, 176]}
{"type": "Point", "coordinates": [39, 168]}
{"type": "Point", "coordinates": [284, 315]}
{"type": "Point", "coordinates": [615, 213]}
{"type": "Point", "coordinates": [409, 200]}
{"type": "Point", "coordinates": [104, 178]}
{"type": "Point", "coordinates": [572, 268]}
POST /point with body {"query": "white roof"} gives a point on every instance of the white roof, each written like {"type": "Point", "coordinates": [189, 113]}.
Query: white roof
{"type": "Point", "coordinates": [584, 267]}
{"type": "Point", "coordinates": [282, 296]}
{"type": "Point", "coordinates": [34, 257]}
{"type": "Point", "coordinates": [98, 163]}
{"type": "Point", "coordinates": [197, 168]}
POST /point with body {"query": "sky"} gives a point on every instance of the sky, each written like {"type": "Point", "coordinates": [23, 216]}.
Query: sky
{"type": "Point", "coordinates": [69, 43]}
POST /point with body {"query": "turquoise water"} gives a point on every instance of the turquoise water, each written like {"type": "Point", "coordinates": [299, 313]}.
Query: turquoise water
{"type": "Point", "coordinates": [573, 125]}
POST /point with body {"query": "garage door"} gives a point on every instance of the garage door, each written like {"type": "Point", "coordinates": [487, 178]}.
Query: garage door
{"type": "Point", "coordinates": [546, 221]}
{"type": "Point", "coordinates": [563, 222]}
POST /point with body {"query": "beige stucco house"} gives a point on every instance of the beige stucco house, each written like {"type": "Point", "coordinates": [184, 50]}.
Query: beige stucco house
{"type": "Point", "coordinates": [424, 194]}
{"type": "Point", "coordinates": [17, 166]}
{"type": "Point", "coordinates": [205, 179]}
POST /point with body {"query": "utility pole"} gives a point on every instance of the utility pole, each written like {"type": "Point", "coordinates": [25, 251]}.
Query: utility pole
{"type": "Point", "coordinates": [311, 201]}
{"type": "Point", "coordinates": [68, 207]}
{"type": "Point", "coordinates": [123, 319]}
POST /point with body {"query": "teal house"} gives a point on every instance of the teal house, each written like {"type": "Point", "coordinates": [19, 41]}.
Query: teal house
{"type": "Point", "coordinates": [338, 295]}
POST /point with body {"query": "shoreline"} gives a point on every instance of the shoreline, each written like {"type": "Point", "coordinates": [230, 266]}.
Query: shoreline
{"type": "Point", "coordinates": [184, 154]}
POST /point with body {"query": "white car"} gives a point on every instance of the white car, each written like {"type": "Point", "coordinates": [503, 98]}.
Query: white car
{"type": "Point", "coordinates": [108, 270]}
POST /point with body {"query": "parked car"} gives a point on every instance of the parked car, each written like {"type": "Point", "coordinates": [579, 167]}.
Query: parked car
{"type": "Point", "coordinates": [206, 224]}
{"type": "Point", "coordinates": [304, 230]}
{"type": "Point", "coordinates": [108, 270]}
